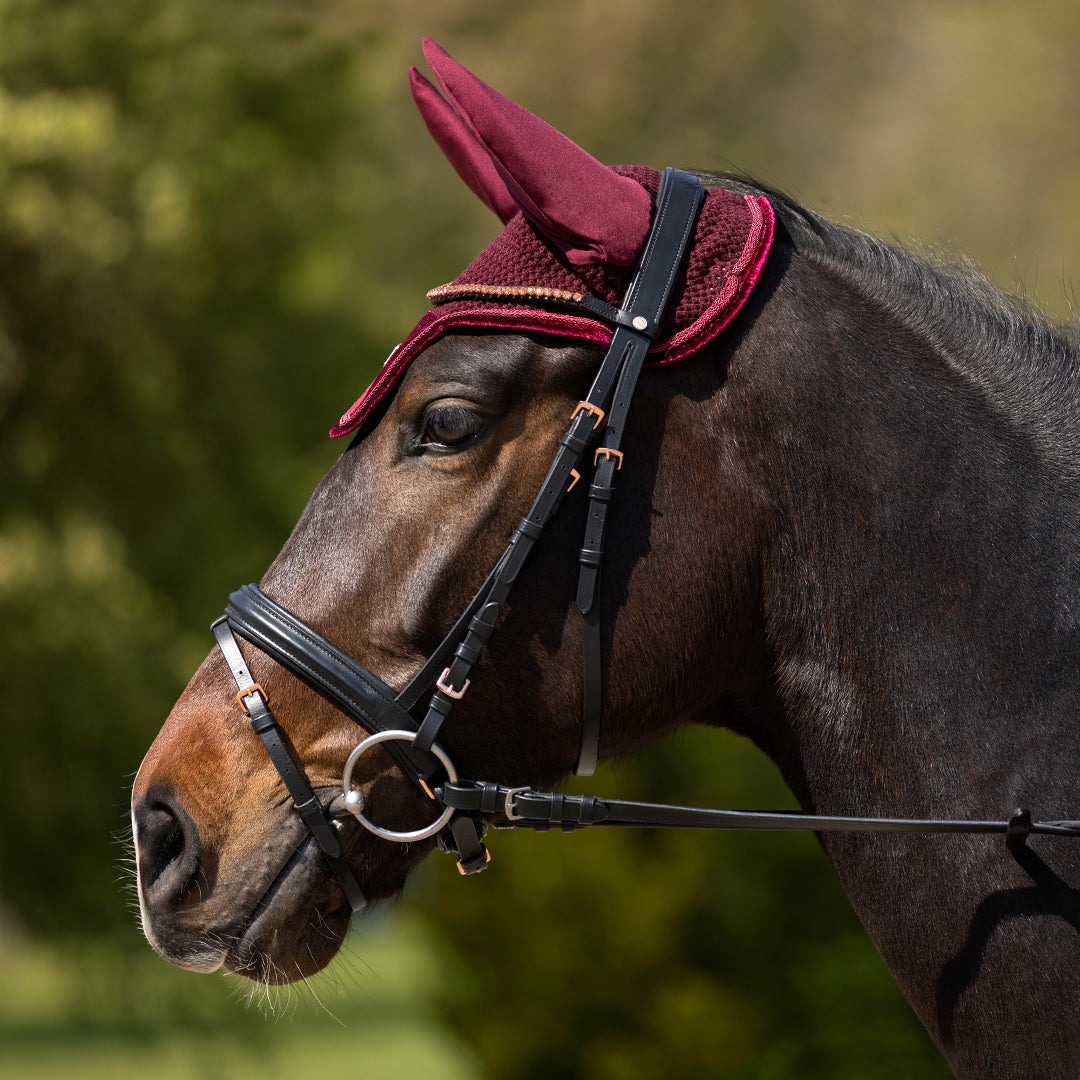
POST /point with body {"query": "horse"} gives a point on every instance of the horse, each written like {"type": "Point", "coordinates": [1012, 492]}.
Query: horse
{"type": "Point", "coordinates": [846, 527]}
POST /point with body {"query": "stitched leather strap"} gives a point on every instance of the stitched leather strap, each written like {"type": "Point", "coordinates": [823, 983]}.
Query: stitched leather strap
{"type": "Point", "coordinates": [296, 783]}
{"type": "Point", "coordinates": [346, 684]}
{"type": "Point", "coordinates": [539, 810]}
{"type": "Point", "coordinates": [677, 205]}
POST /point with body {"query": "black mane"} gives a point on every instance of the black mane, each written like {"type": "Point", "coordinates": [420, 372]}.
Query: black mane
{"type": "Point", "coordinates": [1025, 365]}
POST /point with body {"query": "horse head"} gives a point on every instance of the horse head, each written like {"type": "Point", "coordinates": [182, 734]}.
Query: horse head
{"type": "Point", "coordinates": [451, 444]}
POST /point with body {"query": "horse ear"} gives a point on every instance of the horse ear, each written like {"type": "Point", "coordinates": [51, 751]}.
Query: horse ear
{"type": "Point", "coordinates": [588, 210]}
{"type": "Point", "coordinates": [472, 162]}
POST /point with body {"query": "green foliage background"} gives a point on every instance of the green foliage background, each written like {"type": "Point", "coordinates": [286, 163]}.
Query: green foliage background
{"type": "Point", "coordinates": [215, 221]}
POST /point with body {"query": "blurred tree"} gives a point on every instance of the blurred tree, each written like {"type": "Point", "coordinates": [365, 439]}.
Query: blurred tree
{"type": "Point", "coordinates": [177, 274]}
{"type": "Point", "coordinates": [614, 955]}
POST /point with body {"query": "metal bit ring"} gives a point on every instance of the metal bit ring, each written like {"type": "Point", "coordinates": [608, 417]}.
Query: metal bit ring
{"type": "Point", "coordinates": [354, 805]}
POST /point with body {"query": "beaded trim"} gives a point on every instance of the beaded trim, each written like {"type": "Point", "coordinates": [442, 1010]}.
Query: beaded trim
{"type": "Point", "coordinates": [502, 292]}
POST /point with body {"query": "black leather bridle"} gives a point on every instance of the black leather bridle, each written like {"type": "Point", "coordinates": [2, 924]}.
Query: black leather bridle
{"type": "Point", "coordinates": [465, 805]}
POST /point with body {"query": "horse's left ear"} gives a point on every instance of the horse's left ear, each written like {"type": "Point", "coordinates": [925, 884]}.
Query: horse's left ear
{"type": "Point", "coordinates": [514, 160]}
{"type": "Point", "coordinates": [464, 151]}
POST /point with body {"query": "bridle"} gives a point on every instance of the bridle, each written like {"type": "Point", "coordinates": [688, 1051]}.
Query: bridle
{"type": "Point", "coordinates": [465, 805]}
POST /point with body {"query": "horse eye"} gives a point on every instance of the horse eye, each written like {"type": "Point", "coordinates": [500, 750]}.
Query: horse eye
{"type": "Point", "coordinates": [451, 425]}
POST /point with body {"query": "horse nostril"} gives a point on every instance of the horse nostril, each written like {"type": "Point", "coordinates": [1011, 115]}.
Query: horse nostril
{"type": "Point", "coordinates": [167, 847]}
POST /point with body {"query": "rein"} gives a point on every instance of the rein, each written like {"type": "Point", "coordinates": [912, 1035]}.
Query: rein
{"type": "Point", "coordinates": [466, 806]}
{"type": "Point", "coordinates": [540, 810]}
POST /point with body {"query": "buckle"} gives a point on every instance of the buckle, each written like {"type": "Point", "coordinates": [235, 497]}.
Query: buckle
{"type": "Point", "coordinates": [448, 690]}
{"type": "Point", "coordinates": [616, 454]}
{"type": "Point", "coordinates": [593, 410]}
{"type": "Point", "coordinates": [250, 691]}
{"type": "Point", "coordinates": [508, 803]}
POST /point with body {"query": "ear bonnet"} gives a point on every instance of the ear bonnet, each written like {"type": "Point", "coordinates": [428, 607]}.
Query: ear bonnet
{"type": "Point", "coordinates": [574, 228]}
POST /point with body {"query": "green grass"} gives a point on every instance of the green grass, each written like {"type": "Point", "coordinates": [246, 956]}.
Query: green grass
{"type": "Point", "coordinates": [80, 1012]}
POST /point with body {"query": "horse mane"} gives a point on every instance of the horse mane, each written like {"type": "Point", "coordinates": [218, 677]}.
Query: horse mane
{"type": "Point", "coordinates": [1024, 365]}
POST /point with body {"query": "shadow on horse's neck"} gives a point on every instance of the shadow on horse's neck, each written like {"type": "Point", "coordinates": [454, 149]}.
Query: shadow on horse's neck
{"type": "Point", "coordinates": [1046, 894]}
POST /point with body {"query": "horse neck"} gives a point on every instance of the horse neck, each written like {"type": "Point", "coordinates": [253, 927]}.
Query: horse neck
{"type": "Point", "coordinates": [919, 597]}
{"type": "Point", "coordinates": [916, 581]}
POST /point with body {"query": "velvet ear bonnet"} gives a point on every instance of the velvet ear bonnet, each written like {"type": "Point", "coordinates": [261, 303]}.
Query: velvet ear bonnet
{"type": "Point", "coordinates": [573, 230]}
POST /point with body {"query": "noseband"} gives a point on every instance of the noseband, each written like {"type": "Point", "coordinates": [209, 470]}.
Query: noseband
{"type": "Point", "coordinates": [391, 719]}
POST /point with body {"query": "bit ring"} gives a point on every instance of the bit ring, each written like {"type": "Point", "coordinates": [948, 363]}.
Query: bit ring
{"type": "Point", "coordinates": [354, 806]}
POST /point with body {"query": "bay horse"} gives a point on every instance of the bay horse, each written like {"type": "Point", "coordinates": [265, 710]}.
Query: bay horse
{"type": "Point", "coordinates": [845, 527]}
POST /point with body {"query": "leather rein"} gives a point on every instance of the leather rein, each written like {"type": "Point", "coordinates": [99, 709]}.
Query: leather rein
{"type": "Point", "coordinates": [466, 806]}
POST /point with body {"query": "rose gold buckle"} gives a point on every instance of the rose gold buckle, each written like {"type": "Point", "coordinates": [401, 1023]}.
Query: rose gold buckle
{"type": "Point", "coordinates": [448, 690]}
{"type": "Point", "coordinates": [242, 697]}
{"type": "Point", "coordinates": [594, 410]}
{"type": "Point", "coordinates": [577, 476]}
{"type": "Point", "coordinates": [616, 454]}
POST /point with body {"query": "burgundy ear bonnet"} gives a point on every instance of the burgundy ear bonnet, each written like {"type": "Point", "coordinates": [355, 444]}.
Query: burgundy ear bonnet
{"type": "Point", "coordinates": [573, 229]}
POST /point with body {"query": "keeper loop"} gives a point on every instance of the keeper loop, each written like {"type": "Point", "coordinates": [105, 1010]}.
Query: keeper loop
{"type": "Point", "coordinates": [530, 529]}
{"type": "Point", "coordinates": [1018, 829]}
